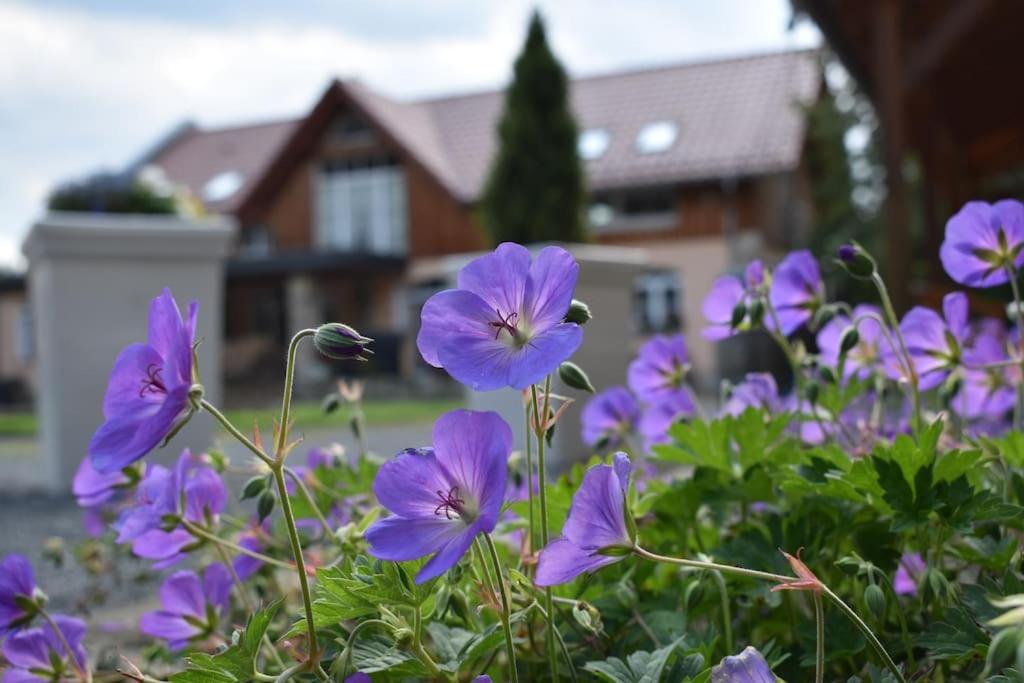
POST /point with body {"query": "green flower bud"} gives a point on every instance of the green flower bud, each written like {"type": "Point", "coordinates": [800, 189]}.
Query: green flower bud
{"type": "Point", "coordinates": [265, 505]}
{"type": "Point", "coordinates": [874, 600]}
{"type": "Point", "coordinates": [254, 487]}
{"type": "Point", "coordinates": [579, 313]}
{"type": "Point", "coordinates": [330, 403]}
{"type": "Point", "coordinates": [827, 374]}
{"type": "Point", "coordinates": [739, 312]}
{"type": "Point", "coordinates": [811, 392]}
{"type": "Point", "coordinates": [340, 342]}
{"type": "Point", "coordinates": [856, 261]}
{"type": "Point", "coordinates": [574, 377]}
{"type": "Point", "coordinates": [849, 340]}
{"type": "Point", "coordinates": [755, 312]}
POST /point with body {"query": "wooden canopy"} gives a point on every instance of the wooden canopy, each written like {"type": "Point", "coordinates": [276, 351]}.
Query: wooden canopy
{"type": "Point", "coordinates": [944, 76]}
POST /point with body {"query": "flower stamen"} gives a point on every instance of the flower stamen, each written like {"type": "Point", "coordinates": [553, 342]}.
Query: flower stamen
{"type": "Point", "coordinates": [153, 383]}
{"type": "Point", "coordinates": [450, 502]}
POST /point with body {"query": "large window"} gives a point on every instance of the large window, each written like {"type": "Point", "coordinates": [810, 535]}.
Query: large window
{"type": "Point", "coordinates": [658, 298]}
{"type": "Point", "coordinates": [361, 207]}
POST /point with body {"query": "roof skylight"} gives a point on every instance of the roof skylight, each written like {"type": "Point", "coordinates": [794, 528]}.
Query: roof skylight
{"type": "Point", "coordinates": [656, 137]}
{"type": "Point", "coordinates": [222, 186]}
{"type": "Point", "coordinates": [592, 143]}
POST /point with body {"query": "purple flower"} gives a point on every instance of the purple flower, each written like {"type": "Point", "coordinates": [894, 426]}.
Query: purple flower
{"type": "Point", "coordinates": [757, 390]}
{"type": "Point", "coordinates": [935, 343]}
{"type": "Point", "coordinates": [983, 241]}
{"type": "Point", "coordinates": [503, 326]}
{"type": "Point", "coordinates": [987, 393]}
{"type": "Point", "coordinates": [797, 290]}
{"type": "Point", "coordinates": [17, 587]}
{"type": "Point", "coordinates": [147, 395]}
{"type": "Point", "coordinates": [190, 607]}
{"type": "Point", "coordinates": [872, 345]}
{"type": "Point", "coordinates": [726, 294]}
{"type": "Point", "coordinates": [608, 417]}
{"type": "Point", "coordinates": [246, 565]}
{"type": "Point", "coordinates": [597, 520]}
{"type": "Point", "coordinates": [910, 570]}
{"type": "Point", "coordinates": [748, 666]}
{"type": "Point", "coordinates": [657, 418]}
{"type": "Point", "coordinates": [191, 491]}
{"type": "Point", "coordinates": [660, 368]}
{"type": "Point", "coordinates": [442, 497]}
{"type": "Point", "coordinates": [358, 677]}
{"type": "Point", "coordinates": [93, 488]}
{"type": "Point", "coordinates": [36, 655]}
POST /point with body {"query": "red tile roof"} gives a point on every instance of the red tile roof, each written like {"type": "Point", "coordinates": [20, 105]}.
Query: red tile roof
{"type": "Point", "coordinates": [734, 117]}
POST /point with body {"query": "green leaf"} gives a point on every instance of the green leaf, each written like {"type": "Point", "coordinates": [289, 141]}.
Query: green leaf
{"type": "Point", "coordinates": [235, 664]}
{"type": "Point", "coordinates": [371, 655]}
{"type": "Point", "coordinates": [699, 443]}
{"type": "Point", "coordinates": [956, 636]}
{"type": "Point", "coordinates": [639, 667]}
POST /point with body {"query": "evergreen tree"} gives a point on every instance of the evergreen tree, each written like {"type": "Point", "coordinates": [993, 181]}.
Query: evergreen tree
{"type": "Point", "coordinates": [535, 189]}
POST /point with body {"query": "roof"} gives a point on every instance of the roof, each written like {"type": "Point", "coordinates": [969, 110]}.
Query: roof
{"type": "Point", "coordinates": [734, 117]}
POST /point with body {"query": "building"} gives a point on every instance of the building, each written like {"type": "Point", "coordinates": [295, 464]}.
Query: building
{"type": "Point", "coordinates": [347, 211]}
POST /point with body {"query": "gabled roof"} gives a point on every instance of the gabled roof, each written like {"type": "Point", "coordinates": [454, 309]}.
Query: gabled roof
{"type": "Point", "coordinates": [734, 117]}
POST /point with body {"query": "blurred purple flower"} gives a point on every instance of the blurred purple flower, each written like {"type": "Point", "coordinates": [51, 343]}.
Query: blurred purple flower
{"type": "Point", "coordinates": [608, 417]}
{"type": "Point", "coordinates": [246, 565]}
{"type": "Point", "coordinates": [190, 607]}
{"type": "Point", "coordinates": [93, 488]}
{"type": "Point", "coordinates": [935, 343]}
{"type": "Point", "coordinates": [36, 655]}
{"type": "Point", "coordinates": [358, 677]}
{"type": "Point", "coordinates": [442, 497]}
{"type": "Point", "coordinates": [748, 666]}
{"type": "Point", "coordinates": [797, 290]}
{"type": "Point", "coordinates": [757, 390]}
{"type": "Point", "coordinates": [503, 326]}
{"type": "Point", "coordinates": [910, 570]}
{"type": "Point", "coordinates": [982, 241]}
{"type": "Point", "coordinates": [147, 395]}
{"type": "Point", "coordinates": [871, 348]}
{"type": "Point", "coordinates": [17, 586]}
{"type": "Point", "coordinates": [726, 293]}
{"type": "Point", "coordinates": [657, 418]}
{"type": "Point", "coordinates": [192, 491]}
{"type": "Point", "coordinates": [660, 368]}
{"type": "Point", "coordinates": [597, 520]}
{"type": "Point", "coordinates": [987, 393]}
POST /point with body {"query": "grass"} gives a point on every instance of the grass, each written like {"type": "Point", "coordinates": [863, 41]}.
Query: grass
{"type": "Point", "coordinates": [307, 415]}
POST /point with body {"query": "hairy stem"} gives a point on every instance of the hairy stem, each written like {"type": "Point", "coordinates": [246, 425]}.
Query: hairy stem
{"type": "Point", "coordinates": [894, 323]}
{"type": "Point", "coordinates": [235, 431]}
{"type": "Point", "coordinates": [286, 396]}
{"type": "Point", "coordinates": [506, 611]}
{"type": "Point", "coordinates": [723, 593]}
{"type": "Point", "coordinates": [1018, 408]}
{"type": "Point", "coordinates": [819, 650]}
{"type": "Point", "coordinates": [532, 546]}
{"type": "Point", "coordinates": [84, 675]}
{"type": "Point", "coordinates": [304, 490]}
{"type": "Point", "coordinates": [540, 422]}
{"type": "Point", "coordinates": [200, 532]}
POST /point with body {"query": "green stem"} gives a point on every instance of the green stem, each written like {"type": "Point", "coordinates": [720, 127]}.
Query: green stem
{"type": "Point", "coordinates": [819, 651]}
{"type": "Point", "coordinates": [84, 675]}
{"type": "Point", "coordinates": [894, 323]}
{"type": "Point", "coordinates": [300, 564]}
{"type": "Point", "coordinates": [304, 490]}
{"type": "Point", "coordinates": [235, 432]}
{"type": "Point", "coordinates": [506, 610]}
{"type": "Point", "coordinates": [1018, 409]}
{"type": "Point", "coordinates": [540, 419]}
{"type": "Point", "coordinates": [778, 578]}
{"type": "Point", "coordinates": [286, 396]}
{"type": "Point", "coordinates": [346, 657]}
{"type": "Point", "coordinates": [723, 592]}
{"type": "Point", "coordinates": [200, 532]}
{"type": "Point", "coordinates": [532, 547]}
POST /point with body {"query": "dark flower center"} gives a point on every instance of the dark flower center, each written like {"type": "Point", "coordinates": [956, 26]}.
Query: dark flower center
{"type": "Point", "coordinates": [450, 502]}
{"type": "Point", "coordinates": [153, 383]}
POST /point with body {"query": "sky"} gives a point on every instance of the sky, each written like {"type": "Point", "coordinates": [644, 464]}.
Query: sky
{"type": "Point", "coordinates": [90, 85]}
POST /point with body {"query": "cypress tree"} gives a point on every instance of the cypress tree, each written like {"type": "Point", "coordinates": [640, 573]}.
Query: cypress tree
{"type": "Point", "coordinates": [535, 189]}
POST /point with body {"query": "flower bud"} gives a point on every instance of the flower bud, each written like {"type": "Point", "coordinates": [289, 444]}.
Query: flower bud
{"type": "Point", "coordinates": [823, 316]}
{"type": "Point", "coordinates": [949, 389]}
{"type": "Point", "coordinates": [827, 374]}
{"type": "Point", "coordinates": [254, 487]}
{"type": "Point", "coordinates": [739, 312]}
{"type": "Point", "coordinates": [574, 377]}
{"type": "Point", "coordinates": [874, 600]}
{"type": "Point", "coordinates": [756, 312]}
{"type": "Point", "coordinates": [856, 261]}
{"type": "Point", "coordinates": [330, 403]}
{"type": "Point", "coordinates": [849, 340]}
{"type": "Point", "coordinates": [587, 616]}
{"type": "Point", "coordinates": [811, 392]}
{"type": "Point", "coordinates": [579, 313]}
{"type": "Point", "coordinates": [341, 342]}
{"type": "Point", "coordinates": [265, 505]}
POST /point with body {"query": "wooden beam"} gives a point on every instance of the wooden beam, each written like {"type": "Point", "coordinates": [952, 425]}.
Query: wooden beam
{"type": "Point", "coordinates": [954, 25]}
{"type": "Point", "coordinates": [892, 114]}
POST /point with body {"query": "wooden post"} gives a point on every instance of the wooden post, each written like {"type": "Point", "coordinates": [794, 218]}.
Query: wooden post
{"type": "Point", "coordinates": [891, 104]}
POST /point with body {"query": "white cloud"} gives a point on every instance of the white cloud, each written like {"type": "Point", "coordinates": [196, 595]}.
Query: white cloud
{"type": "Point", "coordinates": [82, 90]}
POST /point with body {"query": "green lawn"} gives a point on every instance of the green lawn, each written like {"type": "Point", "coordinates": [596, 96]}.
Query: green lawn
{"type": "Point", "coordinates": [306, 415]}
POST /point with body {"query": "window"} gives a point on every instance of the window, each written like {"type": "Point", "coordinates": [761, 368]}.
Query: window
{"type": "Point", "coordinates": [641, 209]}
{"type": "Point", "coordinates": [222, 186]}
{"type": "Point", "coordinates": [361, 207]}
{"type": "Point", "coordinates": [657, 302]}
{"type": "Point", "coordinates": [592, 143]}
{"type": "Point", "coordinates": [656, 137]}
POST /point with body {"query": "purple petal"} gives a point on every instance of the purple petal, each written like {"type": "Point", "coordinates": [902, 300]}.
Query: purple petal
{"type": "Point", "coordinates": [608, 416]}
{"type": "Point", "coordinates": [656, 420]}
{"type": "Point", "coordinates": [796, 290]}
{"type": "Point", "coordinates": [408, 484]}
{"type": "Point", "coordinates": [550, 287]}
{"type": "Point", "coordinates": [562, 561]}
{"type": "Point", "coordinates": [170, 337]}
{"type": "Point", "coordinates": [182, 593]}
{"type": "Point", "coordinates": [165, 548]}
{"type": "Point", "coordinates": [748, 666]}
{"type": "Point", "coordinates": [597, 513]}
{"type": "Point", "coordinates": [726, 292]}
{"type": "Point", "coordinates": [400, 539]}
{"type": "Point", "coordinates": [205, 494]}
{"type": "Point", "coordinates": [217, 586]}
{"type": "Point", "coordinates": [91, 487]}
{"type": "Point", "coordinates": [449, 555]}
{"type": "Point", "coordinates": [168, 625]}
{"type": "Point", "coordinates": [499, 278]}
{"type": "Point", "coordinates": [659, 367]}
{"type": "Point", "coordinates": [543, 354]}
{"type": "Point", "coordinates": [955, 310]}
{"type": "Point", "coordinates": [122, 440]}
{"type": "Point", "coordinates": [473, 449]}
{"type": "Point", "coordinates": [125, 388]}
{"type": "Point", "coordinates": [451, 313]}
{"type": "Point", "coordinates": [975, 227]}
{"type": "Point", "coordinates": [28, 649]}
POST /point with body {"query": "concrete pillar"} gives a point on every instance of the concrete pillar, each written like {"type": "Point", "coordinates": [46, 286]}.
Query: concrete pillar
{"type": "Point", "coordinates": [304, 309]}
{"type": "Point", "coordinates": [91, 279]}
{"type": "Point", "coordinates": [610, 341]}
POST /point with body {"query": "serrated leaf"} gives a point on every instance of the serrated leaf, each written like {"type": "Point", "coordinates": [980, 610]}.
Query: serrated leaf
{"type": "Point", "coordinates": [237, 663]}
{"type": "Point", "coordinates": [639, 667]}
